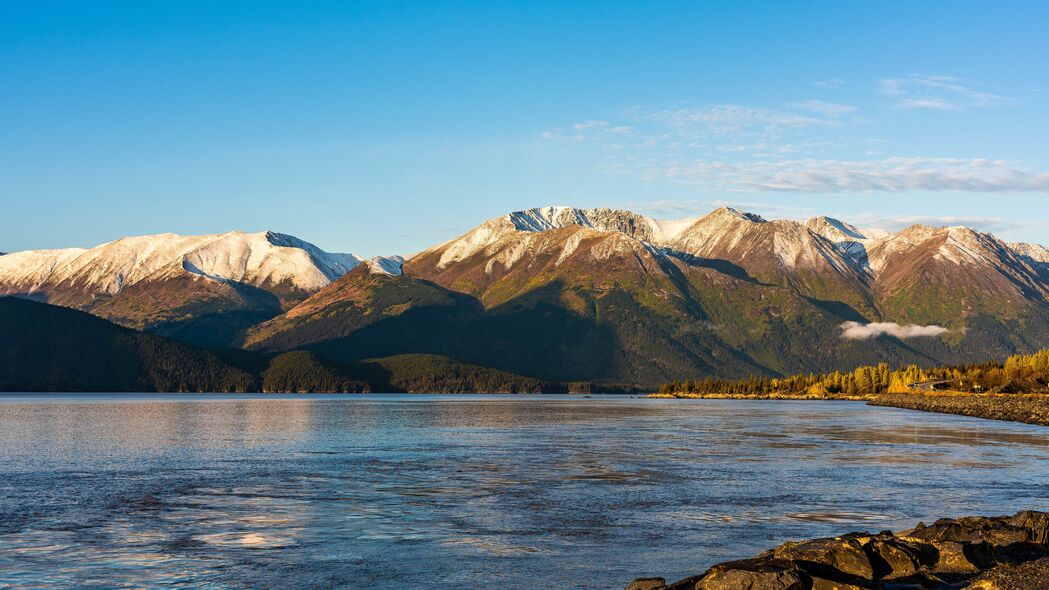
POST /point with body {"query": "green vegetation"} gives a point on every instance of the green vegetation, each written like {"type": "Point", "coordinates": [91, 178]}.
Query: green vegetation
{"type": "Point", "coordinates": [302, 372]}
{"type": "Point", "coordinates": [428, 373]}
{"type": "Point", "coordinates": [1018, 374]}
{"type": "Point", "coordinates": [49, 348]}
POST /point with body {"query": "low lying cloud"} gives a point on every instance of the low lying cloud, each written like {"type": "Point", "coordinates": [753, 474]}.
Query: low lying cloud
{"type": "Point", "coordinates": [858, 331]}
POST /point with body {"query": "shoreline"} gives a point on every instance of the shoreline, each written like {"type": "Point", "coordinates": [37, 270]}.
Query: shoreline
{"type": "Point", "coordinates": [975, 553]}
{"type": "Point", "coordinates": [1026, 408]}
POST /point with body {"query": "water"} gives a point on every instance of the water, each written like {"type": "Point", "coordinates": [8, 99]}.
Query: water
{"type": "Point", "coordinates": [469, 491]}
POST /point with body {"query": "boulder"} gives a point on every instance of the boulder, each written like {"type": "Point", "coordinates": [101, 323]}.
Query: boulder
{"type": "Point", "coordinates": [989, 553]}
{"type": "Point", "coordinates": [893, 557]}
{"type": "Point", "coordinates": [956, 557]}
{"type": "Point", "coordinates": [821, 584]}
{"type": "Point", "coordinates": [945, 529]}
{"type": "Point", "coordinates": [1035, 523]}
{"type": "Point", "coordinates": [755, 574]}
{"type": "Point", "coordinates": [841, 559]}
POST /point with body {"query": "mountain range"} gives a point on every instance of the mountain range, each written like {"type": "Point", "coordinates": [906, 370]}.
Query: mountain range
{"type": "Point", "coordinates": [561, 294]}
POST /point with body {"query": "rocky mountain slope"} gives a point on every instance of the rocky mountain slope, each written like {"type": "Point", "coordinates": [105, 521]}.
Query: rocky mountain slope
{"type": "Point", "coordinates": [615, 296]}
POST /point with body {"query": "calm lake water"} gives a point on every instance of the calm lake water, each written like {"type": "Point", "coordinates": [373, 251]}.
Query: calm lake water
{"type": "Point", "coordinates": [469, 491]}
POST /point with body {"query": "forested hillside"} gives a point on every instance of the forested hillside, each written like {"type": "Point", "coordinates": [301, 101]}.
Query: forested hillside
{"type": "Point", "coordinates": [1017, 374]}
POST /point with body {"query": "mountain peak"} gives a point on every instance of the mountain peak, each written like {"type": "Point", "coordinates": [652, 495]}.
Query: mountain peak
{"type": "Point", "coordinates": [261, 258]}
{"type": "Point", "coordinates": [734, 214]}
{"type": "Point", "coordinates": [834, 230]}
{"type": "Point", "coordinates": [546, 218]}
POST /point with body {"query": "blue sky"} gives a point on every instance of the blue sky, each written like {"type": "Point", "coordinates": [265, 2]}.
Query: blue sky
{"type": "Point", "coordinates": [386, 127]}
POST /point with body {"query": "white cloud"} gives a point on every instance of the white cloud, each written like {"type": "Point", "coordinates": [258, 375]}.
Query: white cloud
{"type": "Point", "coordinates": [942, 93]}
{"type": "Point", "coordinates": [827, 109]}
{"type": "Point", "coordinates": [717, 128]}
{"type": "Point", "coordinates": [692, 207]}
{"type": "Point", "coordinates": [894, 223]}
{"type": "Point", "coordinates": [886, 175]}
{"type": "Point", "coordinates": [586, 125]}
{"type": "Point", "coordinates": [732, 119]}
{"type": "Point", "coordinates": [858, 331]}
{"type": "Point", "coordinates": [829, 83]}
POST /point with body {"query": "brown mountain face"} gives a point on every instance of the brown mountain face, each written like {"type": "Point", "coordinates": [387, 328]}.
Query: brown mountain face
{"type": "Point", "coordinates": [612, 296]}
{"type": "Point", "coordinates": [952, 274]}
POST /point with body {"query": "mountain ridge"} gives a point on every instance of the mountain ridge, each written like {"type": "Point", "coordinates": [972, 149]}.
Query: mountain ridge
{"type": "Point", "coordinates": [604, 295]}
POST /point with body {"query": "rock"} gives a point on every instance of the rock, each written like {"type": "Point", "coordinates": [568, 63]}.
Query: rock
{"type": "Point", "coordinates": [841, 559]}
{"type": "Point", "coordinates": [921, 580]}
{"type": "Point", "coordinates": [988, 553]}
{"type": "Point", "coordinates": [755, 574]}
{"type": "Point", "coordinates": [893, 557]}
{"type": "Point", "coordinates": [647, 584]}
{"type": "Point", "coordinates": [1033, 575]}
{"type": "Point", "coordinates": [945, 529]}
{"type": "Point", "coordinates": [821, 584]}
{"type": "Point", "coordinates": [1036, 523]}
{"type": "Point", "coordinates": [957, 557]}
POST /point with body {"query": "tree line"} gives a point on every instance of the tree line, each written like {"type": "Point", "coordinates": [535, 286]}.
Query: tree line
{"type": "Point", "coordinates": [1022, 373]}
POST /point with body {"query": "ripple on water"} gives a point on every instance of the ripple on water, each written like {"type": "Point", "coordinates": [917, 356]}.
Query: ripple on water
{"type": "Point", "coordinates": [247, 540]}
{"type": "Point", "coordinates": [484, 492]}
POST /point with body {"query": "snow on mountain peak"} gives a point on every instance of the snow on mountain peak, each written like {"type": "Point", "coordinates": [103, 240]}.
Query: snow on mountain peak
{"type": "Point", "coordinates": [731, 213]}
{"type": "Point", "coordinates": [1034, 252]}
{"type": "Point", "coordinates": [386, 265]}
{"type": "Point", "coordinates": [635, 225]}
{"type": "Point", "coordinates": [262, 258]}
{"type": "Point", "coordinates": [834, 230]}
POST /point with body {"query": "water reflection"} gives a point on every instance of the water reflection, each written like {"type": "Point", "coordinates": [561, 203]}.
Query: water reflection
{"type": "Point", "coordinates": [446, 491]}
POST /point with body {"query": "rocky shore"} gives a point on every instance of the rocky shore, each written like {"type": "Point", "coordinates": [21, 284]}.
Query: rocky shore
{"type": "Point", "coordinates": [976, 553]}
{"type": "Point", "coordinates": [1029, 408]}
{"type": "Point", "coordinates": [1014, 407]}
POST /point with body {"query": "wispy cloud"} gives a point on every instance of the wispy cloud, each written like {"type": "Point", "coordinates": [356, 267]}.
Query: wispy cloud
{"type": "Point", "coordinates": [829, 83]}
{"type": "Point", "coordinates": [858, 331]}
{"type": "Point", "coordinates": [733, 118]}
{"type": "Point", "coordinates": [942, 93]}
{"type": "Point", "coordinates": [794, 148]}
{"type": "Point", "coordinates": [716, 128]}
{"type": "Point", "coordinates": [673, 208]}
{"type": "Point", "coordinates": [886, 175]}
{"type": "Point", "coordinates": [587, 125]}
{"type": "Point", "coordinates": [894, 223]}
{"type": "Point", "coordinates": [827, 109]}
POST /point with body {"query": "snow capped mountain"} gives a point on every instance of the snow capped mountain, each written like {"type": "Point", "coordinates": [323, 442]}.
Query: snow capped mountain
{"type": "Point", "coordinates": [257, 259]}
{"type": "Point", "coordinates": [570, 293]}
{"type": "Point", "coordinates": [1036, 255]}
{"type": "Point", "coordinates": [835, 230]}
{"type": "Point", "coordinates": [633, 224]}
{"type": "Point", "coordinates": [491, 235]}
{"type": "Point", "coordinates": [387, 265]}
{"type": "Point", "coordinates": [727, 234]}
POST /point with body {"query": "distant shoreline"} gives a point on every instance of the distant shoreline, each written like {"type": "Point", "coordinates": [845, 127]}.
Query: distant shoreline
{"type": "Point", "coordinates": [1027, 408]}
